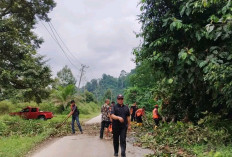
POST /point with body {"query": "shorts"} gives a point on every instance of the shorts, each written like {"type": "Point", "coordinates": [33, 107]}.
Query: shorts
{"type": "Point", "coordinates": [156, 120]}
{"type": "Point", "coordinates": [106, 124]}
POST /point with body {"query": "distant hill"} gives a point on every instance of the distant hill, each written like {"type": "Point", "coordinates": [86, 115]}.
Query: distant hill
{"type": "Point", "coordinates": [108, 85]}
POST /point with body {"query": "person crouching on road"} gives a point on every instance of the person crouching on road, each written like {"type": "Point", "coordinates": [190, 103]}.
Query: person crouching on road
{"type": "Point", "coordinates": [139, 113]}
{"type": "Point", "coordinates": [75, 117]}
{"type": "Point", "coordinates": [156, 116]}
{"type": "Point", "coordinates": [105, 110]}
{"type": "Point", "coordinates": [121, 123]}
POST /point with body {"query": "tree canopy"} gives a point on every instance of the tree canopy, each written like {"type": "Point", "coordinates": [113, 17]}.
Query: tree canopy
{"type": "Point", "coordinates": [21, 69]}
{"type": "Point", "coordinates": [189, 44]}
{"type": "Point", "coordinates": [66, 77]}
{"type": "Point", "coordinates": [107, 85]}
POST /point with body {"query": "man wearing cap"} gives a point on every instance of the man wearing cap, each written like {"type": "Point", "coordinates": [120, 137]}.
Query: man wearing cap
{"type": "Point", "coordinates": [75, 116]}
{"type": "Point", "coordinates": [121, 122]}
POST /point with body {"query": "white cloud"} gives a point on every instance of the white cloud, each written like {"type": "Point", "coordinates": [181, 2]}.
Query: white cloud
{"type": "Point", "coordinates": [100, 33]}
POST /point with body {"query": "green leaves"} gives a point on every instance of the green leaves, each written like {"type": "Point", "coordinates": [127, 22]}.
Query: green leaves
{"type": "Point", "coordinates": [185, 53]}
{"type": "Point", "coordinates": [66, 77]}
{"type": "Point", "coordinates": [210, 28]}
{"type": "Point", "coordinates": [203, 63]}
{"type": "Point", "coordinates": [176, 24]}
{"type": "Point", "coordinates": [190, 42]}
{"type": "Point", "coordinates": [227, 7]}
{"type": "Point", "coordinates": [23, 73]}
{"type": "Point", "coordinates": [170, 81]}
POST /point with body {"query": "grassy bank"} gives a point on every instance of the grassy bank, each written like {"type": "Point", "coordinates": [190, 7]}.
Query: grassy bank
{"type": "Point", "coordinates": [18, 136]}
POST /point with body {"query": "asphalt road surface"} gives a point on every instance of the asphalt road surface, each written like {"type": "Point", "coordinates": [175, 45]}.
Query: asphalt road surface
{"type": "Point", "coordinates": [82, 145]}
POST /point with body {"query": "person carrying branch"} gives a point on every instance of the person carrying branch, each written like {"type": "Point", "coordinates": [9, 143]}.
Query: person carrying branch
{"type": "Point", "coordinates": [75, 117]}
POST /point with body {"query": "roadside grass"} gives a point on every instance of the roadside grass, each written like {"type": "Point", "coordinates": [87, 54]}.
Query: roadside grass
{"type": "Point", "coordinates": [19, 136]}
{"type": "Point", "coordinates": [16, 146]}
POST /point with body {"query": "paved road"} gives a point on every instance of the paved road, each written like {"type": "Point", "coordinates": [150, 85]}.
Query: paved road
{"type": "Point", "coordinates": [94, 120]}
{"type": "Point", "coordinates": [82, 145]}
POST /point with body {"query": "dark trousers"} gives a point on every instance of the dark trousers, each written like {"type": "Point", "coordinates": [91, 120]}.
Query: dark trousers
{"type": "Point", "coordinates": [104, 124]}
{"type": "Point", "coordinates": [75, 118]}
{"type": "Point", "coordinates": [156, 120]}
{"type": "Point", "coordinates": [139, 119]}
{"type": "Point", "coordinates": [120, 133]}
{"type": "Point", "coordinates": [132, 117]}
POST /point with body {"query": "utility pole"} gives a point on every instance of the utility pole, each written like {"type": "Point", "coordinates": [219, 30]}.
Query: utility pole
{"type": "Point", "coordinates": [82, 73]}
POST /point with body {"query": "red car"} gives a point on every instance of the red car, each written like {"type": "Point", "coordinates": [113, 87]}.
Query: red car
{"type": "Point", "coordinates": [33, 113]}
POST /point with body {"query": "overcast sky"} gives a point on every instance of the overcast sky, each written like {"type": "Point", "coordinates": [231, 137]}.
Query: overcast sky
{"type": "Point", "coordinates": [99, 33]}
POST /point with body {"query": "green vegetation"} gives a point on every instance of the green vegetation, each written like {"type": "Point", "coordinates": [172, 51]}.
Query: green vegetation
{"type": "Point", "coordinates": [20, 65]}
{"type": "Point", "coordinates": [29, 133]}
{"type": "Point", "coordinates": [186, 53]}
{"type": "Point", "coordinates": [184, 64]}
{"type": "Point", "coordinates": [108, 86]}
{"type": "Point", "coordinates": [187, 139]}
{"type": "Point", "coordinates": [23, 144]}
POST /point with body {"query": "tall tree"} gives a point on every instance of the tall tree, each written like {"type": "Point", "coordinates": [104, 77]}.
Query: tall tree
{"type": "Point", "coordinates": [66, 77]}
{"type": "Point", "coordinates": [190, 42]}
{"type": "Point", "coordinates": [122, 79]}
{"type": "Point", "coordinates": [20, 66]}
{"type": "Point", "coordinates": [63, 95]}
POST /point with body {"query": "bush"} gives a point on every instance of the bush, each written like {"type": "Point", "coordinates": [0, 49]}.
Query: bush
{"type": "Point", "coordinates": [46, 106]}
{"type": "Point", "coordinates": [85, 109]}
{"type": "Point", "coordinates": [5, 107]}
{"type": "Point", "coordinates": [3, 128]}
{"type": "Point", "coordinates": [14, 125]}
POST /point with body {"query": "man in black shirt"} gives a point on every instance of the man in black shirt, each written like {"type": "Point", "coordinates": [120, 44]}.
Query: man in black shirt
{"type": "Point", "coordinates": [75, 116]}
{"type": "Point", "coordinates": [121, 122]}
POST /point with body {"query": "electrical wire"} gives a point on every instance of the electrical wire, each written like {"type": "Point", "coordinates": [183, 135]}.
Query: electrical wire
{"type": "Point", "coordinates": [57, 42]}
{"type": "Point", "coordinates": [63, 42]}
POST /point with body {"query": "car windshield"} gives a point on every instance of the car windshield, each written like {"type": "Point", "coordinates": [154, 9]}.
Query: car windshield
{"type": "Point", "coordinates": [25, 110]}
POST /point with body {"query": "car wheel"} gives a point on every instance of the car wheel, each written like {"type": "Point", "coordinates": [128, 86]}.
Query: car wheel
{"type": "Point", "coordinates": [42, 118]}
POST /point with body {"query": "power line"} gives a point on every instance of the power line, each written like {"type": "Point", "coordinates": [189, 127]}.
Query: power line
{"type": "Point", "coordinates": [61, 46]}
{"type": "Point", "coordinates": [57, 42]}
{"type": "Point", "coordinates": [63, 42]}
{"type": "Point", "coordinates": [53, 35]}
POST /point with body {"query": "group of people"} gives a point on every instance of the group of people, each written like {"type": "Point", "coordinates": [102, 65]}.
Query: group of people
{"type": "Point", "coordinates": [118, 117]}
{"type": "Point", "coordinates": [137, 114]}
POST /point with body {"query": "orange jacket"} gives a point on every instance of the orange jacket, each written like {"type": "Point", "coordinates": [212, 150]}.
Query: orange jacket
{"type": "Point", "coordinates": [140, 112]}
{"type": "Point", "coordinates": [155, 114]}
